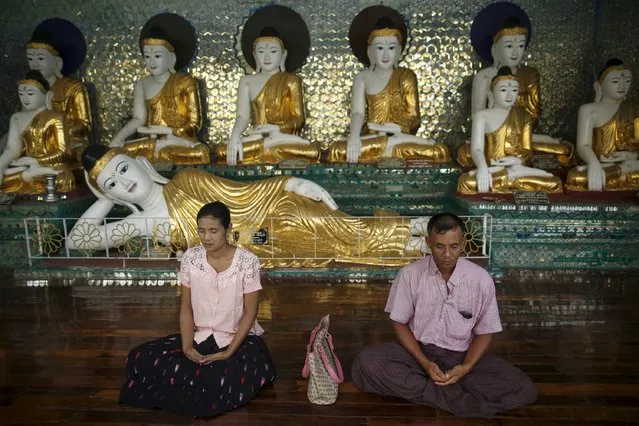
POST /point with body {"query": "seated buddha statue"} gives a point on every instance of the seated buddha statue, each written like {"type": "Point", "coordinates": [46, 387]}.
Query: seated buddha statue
{"type": "Point", "coordinates": [302, 217]}
{"type": "Point", "coordinates": [166, 103]}
{"type": "Point", "coordinates": [274, 39]}
{"type": "Point", "coordinates": [57, 49]}
{"type": "Point", "coordinates": [500, 34]}
{"type": "Point", "coordinates": [501, 145]}
{"type": "Point", "coordinates": [384, 96]}
{"type": "Point", "coordinates": [608, 136]}
{"type": "Point", "coordinates": [36, 145]}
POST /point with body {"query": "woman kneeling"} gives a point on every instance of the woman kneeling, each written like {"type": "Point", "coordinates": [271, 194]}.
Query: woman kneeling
{"type": "Point", "coordinates": [218, 361]}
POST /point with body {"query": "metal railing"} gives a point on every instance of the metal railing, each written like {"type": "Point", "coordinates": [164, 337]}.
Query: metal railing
{"type": "Point", "coordinates": [152, 238]}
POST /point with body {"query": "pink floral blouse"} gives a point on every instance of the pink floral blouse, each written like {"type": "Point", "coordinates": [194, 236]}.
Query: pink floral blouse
{"type": "Point", "coordinates": [217, 298]}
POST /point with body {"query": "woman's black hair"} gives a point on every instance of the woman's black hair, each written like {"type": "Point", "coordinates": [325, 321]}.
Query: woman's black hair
{"type": "Point", "coordinates": [216, 210]}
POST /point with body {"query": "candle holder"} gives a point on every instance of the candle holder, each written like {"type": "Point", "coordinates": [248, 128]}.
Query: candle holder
{"type": "Point", "coordinates": [51, 196]}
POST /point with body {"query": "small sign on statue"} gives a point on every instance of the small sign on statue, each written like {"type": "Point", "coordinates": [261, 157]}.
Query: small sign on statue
{"type": "Point", "coordinates": [532, 200]}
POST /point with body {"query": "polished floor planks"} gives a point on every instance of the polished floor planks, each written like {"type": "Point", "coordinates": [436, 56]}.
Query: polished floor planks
{"type": "Point", "coordinates": [62, 350]}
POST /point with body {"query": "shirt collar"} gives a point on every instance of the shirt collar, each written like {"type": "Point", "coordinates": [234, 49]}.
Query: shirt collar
{"type": "Point", "coordinates": [454, 279]}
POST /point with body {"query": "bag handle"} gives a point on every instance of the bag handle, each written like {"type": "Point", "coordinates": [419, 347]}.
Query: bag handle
{"type": "Point", "coordinates": [337, 377]}
{"type": "Point", "coordinates": [306, 371]}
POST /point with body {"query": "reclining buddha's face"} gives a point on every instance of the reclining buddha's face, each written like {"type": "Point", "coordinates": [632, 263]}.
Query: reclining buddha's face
{"type": "Point", "coordinates": [124, 179]}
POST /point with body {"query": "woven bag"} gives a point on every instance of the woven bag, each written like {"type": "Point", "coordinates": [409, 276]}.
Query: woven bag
{"type": "Point", "coordinates": [322, 367]}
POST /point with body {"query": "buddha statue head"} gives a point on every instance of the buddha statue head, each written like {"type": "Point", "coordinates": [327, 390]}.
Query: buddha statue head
{"type": "Point", "coordinates": [500, 34]}
{"type": "Point", "coordinates": [119, 177]}
{"type": "Point", "coordinates": [33, 91]}
{"type": "Point", "coordinates": [57, 48]}
{"type": "Point", "coordinates": [168, 43]}
{"type": "Point", "coordinates": [613, 82]}
{"type": "Point", "coordinates": [504, 89]}
{"type": "Point", "coordinates": [509, 43]}
{"type": "Point", "coordinates": [269, 52]}
{"type": "Point", "coordinates": [273, 39]}
{"type": "Point", "coordinates": [159, 53]}
{"type": "Point", "coordinates": [384, 45]}
{"type": "Point", "coordinates": [378, 36]}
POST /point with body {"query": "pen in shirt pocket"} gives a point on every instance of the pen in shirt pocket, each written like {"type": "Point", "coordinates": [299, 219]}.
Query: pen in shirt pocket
{"type": "Point", "coordinates": [466, 314]}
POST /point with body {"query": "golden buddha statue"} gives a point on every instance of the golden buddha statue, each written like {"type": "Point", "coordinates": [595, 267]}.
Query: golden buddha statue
{"type": "Point", "coordinates": [384, 96]}
{"type": "Point", "coordinates": [166, 103]}
{"type": "Point", "coordinates": [300, 219]}
{"type": "Point", "coordinates": [274, 39]}
{"type": "Point", "coordinates": [57, 49]}
{"type": "Point", "coordinates": [500, 34]}
{"type": "Point", "coordinates": [37, 145]}
{"type": "Point", "coordinates": [501, 145]}
{"type": "Point", "coordinates": [608, 136]}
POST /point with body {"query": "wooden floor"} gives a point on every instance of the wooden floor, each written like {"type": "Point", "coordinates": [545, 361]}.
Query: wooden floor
{"type": "Point", "coordinates": [62, 350]}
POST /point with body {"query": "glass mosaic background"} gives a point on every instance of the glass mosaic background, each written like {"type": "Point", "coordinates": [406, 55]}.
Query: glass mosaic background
{"type": "Point", "coordinates": [569, 38]}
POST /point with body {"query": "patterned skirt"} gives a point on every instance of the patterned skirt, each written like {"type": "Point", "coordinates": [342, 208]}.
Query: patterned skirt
{"type": "Point", "coordinates": [159, 375]}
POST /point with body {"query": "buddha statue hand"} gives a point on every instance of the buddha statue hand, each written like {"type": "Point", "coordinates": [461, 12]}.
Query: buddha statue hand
{"type": "Point", "coordinates": [353, 148]}
{"type": "Point", "coordinates": [311, 190]}
{"type": "Point", "coordinates": [388, 128]}
{"type": "Point", "coordinates": [619, 157]}
{"type": "Point", "coordinates": [25, 161]}
{"type": "Point", "coordinates": [596, 176]}
{"type": "Point", "coordinates": [116, 142]}
{"type": "Point", "coordinates": [506, 161]}
{"type": "Point", "coordinates": [234, 150]}
{"type": "Point", "coordinates": [31, 168]}
{"type": "Point", "coordinates": [545, 139]}
{"type": "Point", "coordinates": [37, 170]}
{"type": "Point", "coordinates": [171, 140]}
{"type": "Point", "coordinates": [264, 129]}
{"type": "Point", "coordinates": [484, 180]}
{"type": "Point", "coordinates": [519, 170]}
{"type": "Point", "coordinates": [155, 131]}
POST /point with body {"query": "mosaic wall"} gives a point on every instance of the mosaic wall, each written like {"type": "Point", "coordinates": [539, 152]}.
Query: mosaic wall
{"type": "Point", "coordinates": [568, 36]}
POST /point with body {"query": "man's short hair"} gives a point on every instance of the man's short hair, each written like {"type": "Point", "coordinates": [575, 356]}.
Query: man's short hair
{"type": "Point", "coordinates": [444, 222]}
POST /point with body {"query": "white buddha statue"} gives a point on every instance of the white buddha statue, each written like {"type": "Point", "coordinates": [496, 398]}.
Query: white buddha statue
{"type": "Point", "coordinates": [301, 215]}
{"type": "Point", "coordinates": [37, 146]}
{"type": "Point", "coordinates": [275, 43]}
{"type": "Point", "coordinates": [608, 135]}
{"type": "Point", "coordinates": [501, 145]}
{"type": "Point", "coordinates": [384, 96]}
{"type": "Point", "coordinates": [500, 34]}
{"type": "Point", "coordinates": [166, 103]}
{"type": "Point", "coordinates": [57, 49]}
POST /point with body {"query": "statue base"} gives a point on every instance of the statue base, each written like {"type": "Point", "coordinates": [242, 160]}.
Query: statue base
{"type": "Point", "coordinates": [13, 248]}
{"type": "Point", "coordinates": [568, 232]}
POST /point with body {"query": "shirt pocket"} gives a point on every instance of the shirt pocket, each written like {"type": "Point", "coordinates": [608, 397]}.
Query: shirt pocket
{"type": "Point", "coordinates": [457, 326]}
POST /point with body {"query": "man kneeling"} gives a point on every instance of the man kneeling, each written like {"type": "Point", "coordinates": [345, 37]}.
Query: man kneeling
{"type": "Point", "coordinates": [444, 312]}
